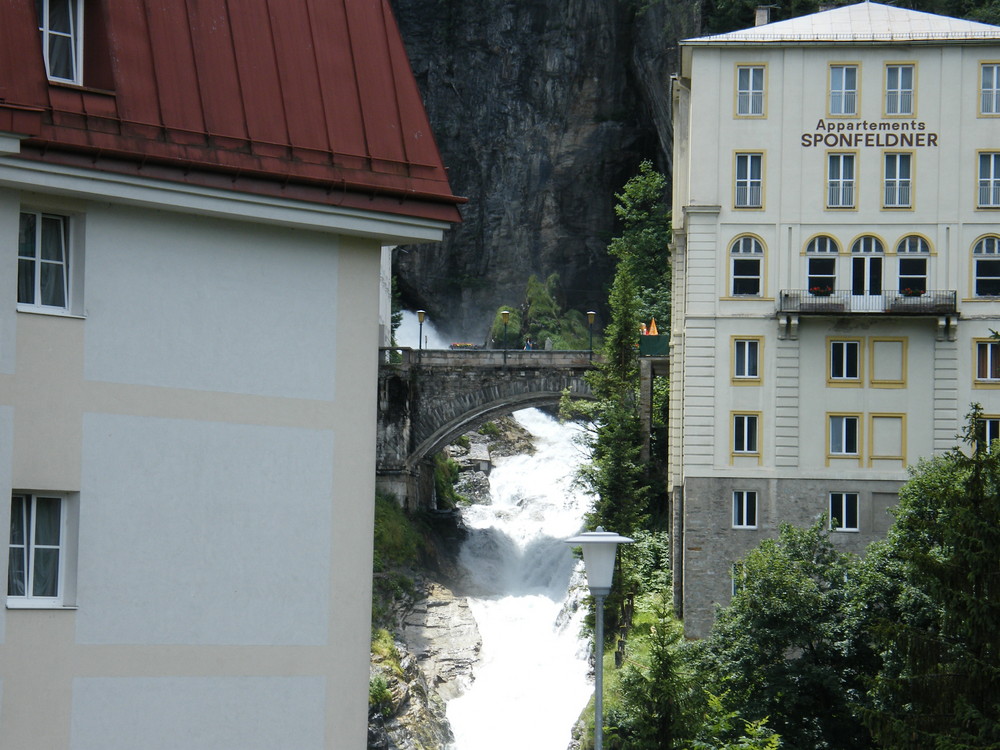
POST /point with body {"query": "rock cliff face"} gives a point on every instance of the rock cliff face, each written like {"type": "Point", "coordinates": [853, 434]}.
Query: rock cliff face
{"type": "Point", "coordinates": [542, 110]}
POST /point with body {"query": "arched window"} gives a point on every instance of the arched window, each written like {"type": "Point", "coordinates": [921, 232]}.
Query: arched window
{"type": "Point", "coordinates": [747, 255]}
{"type": "Point", "coordinates": [866, 266]}
{"type": "Point", "coordinates": [986, 261]}
{"type": "Point", "coordinates": [913, 252]}
{"type": "Point", "coordinates": [821, 263]}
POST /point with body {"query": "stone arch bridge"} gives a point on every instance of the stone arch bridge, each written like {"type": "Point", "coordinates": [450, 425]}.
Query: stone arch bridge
{"type": "Point", "coordinates": [433, 396]}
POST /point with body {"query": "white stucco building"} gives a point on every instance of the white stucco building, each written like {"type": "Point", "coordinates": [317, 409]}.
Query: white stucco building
{"type": "Point", "coordinates": [836, 274]}
{"type": "Point", "coordinates": [193, 202]}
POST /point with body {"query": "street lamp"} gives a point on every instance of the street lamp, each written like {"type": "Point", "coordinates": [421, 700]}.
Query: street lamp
{"type": "Point", "coordinates": [590, 322]}
{"type": "Point", "coordinates": [599, 550]}
{"type": "Point", "coordinates": [421, 314]}
{"type": "Point", "coordinates": [505, 314]}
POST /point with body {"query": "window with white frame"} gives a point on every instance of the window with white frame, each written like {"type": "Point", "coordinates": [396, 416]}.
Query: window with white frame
{"type": "Point", "coordinates": [988, 360]}
{"type": "Point", "coordinates": [843, 89]}
{"type": "Point", "coordinates": [844, 438]}
{"type": "Point", "coordinates": [986, 262]}
{"type": "Point", "coordinates": [840, 181]}
{"type": "Point", "coordinates": [866, 266]}
{"type": "Point", "coordinates": [988, 430]}
{"type": "Point", "coordinates": [61, 25]}
{"type": "Point", "coordinates": [896, 181]}
{"type": "Point", "coordinates": [845, 360]}
{"type": "Point", "coordinates": [899, 89]}
{"type": "Point", "coordinates": [749, 180]}
{"type": "Point", "coordinates": [844, 511]}
{"type": "Point", "coordinates": [746, 359]}
{"type": "Point", "coordinates": [744, 509]}
{"type": "Point", "coordinates": [750, 90]}
{"type": "Point", "coordinates": [747, 263]}
{"type": "Point", "coordinates": [821, 264]}
{"type": "Point", "coordinates": [36, 560]}
{"type": "Point", "coordinates": [745, 433]}
{"type": "Point", "coordinates": [989, 88]}
{"type": "Point", "coordinates": [989, 180]}
{"type": "Point", "coordinates": [43, 261]}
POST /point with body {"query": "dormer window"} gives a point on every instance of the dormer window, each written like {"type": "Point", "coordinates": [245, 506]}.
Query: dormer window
{"type": "Point", "coordinates": [61, 25]}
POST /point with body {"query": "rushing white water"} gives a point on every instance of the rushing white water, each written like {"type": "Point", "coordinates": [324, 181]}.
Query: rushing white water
{"type": "Point", "coordinates": [532, 679]}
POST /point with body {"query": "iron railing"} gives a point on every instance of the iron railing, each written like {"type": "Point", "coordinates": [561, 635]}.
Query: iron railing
{"type": "Point", "coordinates": [843, 302]}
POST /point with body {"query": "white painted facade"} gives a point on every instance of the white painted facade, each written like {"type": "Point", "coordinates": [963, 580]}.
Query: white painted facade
{"type": "Point", "coordinates": [765, 179]}
{"type": "Point", "coordinates": [206, 411]}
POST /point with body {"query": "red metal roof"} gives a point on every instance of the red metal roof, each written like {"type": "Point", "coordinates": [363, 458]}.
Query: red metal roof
{"type": "Point", "coordinates": [305, 99]}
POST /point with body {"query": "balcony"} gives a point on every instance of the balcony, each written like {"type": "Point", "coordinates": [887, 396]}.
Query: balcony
{"type": "Point", "coordinates": [931, 302]}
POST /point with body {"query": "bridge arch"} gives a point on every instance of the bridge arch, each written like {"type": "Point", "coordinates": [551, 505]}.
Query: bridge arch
{"type": "Point", "coordinates": [449, 432]}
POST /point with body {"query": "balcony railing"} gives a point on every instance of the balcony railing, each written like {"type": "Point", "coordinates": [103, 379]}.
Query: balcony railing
{"type": "Point", "coordinates": [931, 302]}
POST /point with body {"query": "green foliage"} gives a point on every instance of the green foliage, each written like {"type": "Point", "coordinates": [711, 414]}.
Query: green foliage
{"type": "Point", "coordinates": [655, 710]}
{"type": "Point", "coordinates": [398, 546]}
{"type": "Point", "coordinates": [446, 471]}
{"type": "Point", "coordinates": [940, 685]}
{"type": "Point", "coordinates": [540, 318]}
{"type": "Point", "coordinates": [490, 429]}
{"type": "Point", "coordinates": [497, 331]}
{"type": "Point", "coordinates": [786, 646]}
{"type": "Point", "coordinates": [378, 691]}
{"type": "Point", "coordinates": [384, 649]}
{"type": "Point", "coordinates": [643, 247]}
{"type": "Point", "coordinates": [397, 543]}
{"type": "Point", "coordinates": [720, 723]}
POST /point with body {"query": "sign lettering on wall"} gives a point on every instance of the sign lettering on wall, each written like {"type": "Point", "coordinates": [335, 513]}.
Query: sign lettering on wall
{"type": "Point", "coordinates": [869, 133]}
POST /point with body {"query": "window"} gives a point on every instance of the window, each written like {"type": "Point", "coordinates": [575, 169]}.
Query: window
{"type": "Point", "coordinates": [744, 509]}
{"type": "Point", "coordinates": [746, 359]}
{"type": "Point", "coordinates": [747, 257]}
{"type": "Point", "coordinates": [845, 360]}
{"type": "Point", "coordinates": [843, 89]}
{"type": "Point", "coordinates": [986, 259]}
{"type": "Point", "coordinates": [912, 252]}
{"type": "Point", "coordinates": [840, 181]}
{"type": "Point", "coordinates": [988, 430]}
{"type": "Point", "coordinates": [989, 180]}
{"type": "Point", "coordinates": [745, 433]}
{"type": "Point", "coordinates": [60, 23]}
{"type": "Point", "coordinates": [989, 89]}
{"type": "Point", "coordinates": [844, 511]}
{"type": "Point", "coordinates": [43, 261]}
{"type": "Point", "coordinates": [37, 542]}
{"type": "Point", "coordinates": [844, 438]}
{"type": "Point", "coordinates": [821, 263]}
{"type": "Point", "coordinates": [896, 184]}
{"type": "Point", "coordinates": [866, 266]}
{"type": "Point", "coordinates": [888, 358]}
{"type": "Point", "coordinates": [988, 360]}
{"type": "Point", "coordinates": [899, 89]}
{"type": "Point", "coordinates": [750, 90]}
{"type": "Point", "coordinates": [739, 577]}
{"type": "Point", "coordinates": [749, 180]}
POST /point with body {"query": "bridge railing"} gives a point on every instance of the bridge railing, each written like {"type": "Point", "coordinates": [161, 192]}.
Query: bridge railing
{"type": "Point", "coordinates": [513, 358]}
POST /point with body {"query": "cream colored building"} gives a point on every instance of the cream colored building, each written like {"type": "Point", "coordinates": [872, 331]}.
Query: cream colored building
{"type": "Point", "coordinates": [194, 201]}
{"type": "Point", "coordinates": [836, 274]}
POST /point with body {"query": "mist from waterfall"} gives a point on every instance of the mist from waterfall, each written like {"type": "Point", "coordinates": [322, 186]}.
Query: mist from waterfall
{"type": "Point", "coordinates": [525, 589]}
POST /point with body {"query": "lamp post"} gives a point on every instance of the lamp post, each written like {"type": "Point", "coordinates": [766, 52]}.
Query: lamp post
{"type": "Point", "coordinates": [505, 314]}
{"type": "Point", "coordinates": [590, 322]}
{"type": "Point", "coordinates": [599, 550]}
{"type": "Point", "coordinates": [421, 314]}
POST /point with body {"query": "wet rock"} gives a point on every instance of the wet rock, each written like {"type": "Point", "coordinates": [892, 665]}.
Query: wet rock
{"type": "Point", "coordinates": [442, 633]}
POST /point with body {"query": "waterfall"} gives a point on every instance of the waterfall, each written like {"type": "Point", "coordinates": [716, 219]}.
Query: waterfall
{"type": "Point", "coordinates": [525, 588]}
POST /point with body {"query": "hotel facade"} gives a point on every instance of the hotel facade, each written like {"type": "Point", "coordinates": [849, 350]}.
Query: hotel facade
{"type": "Point", "coordinates": [836, 272]}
